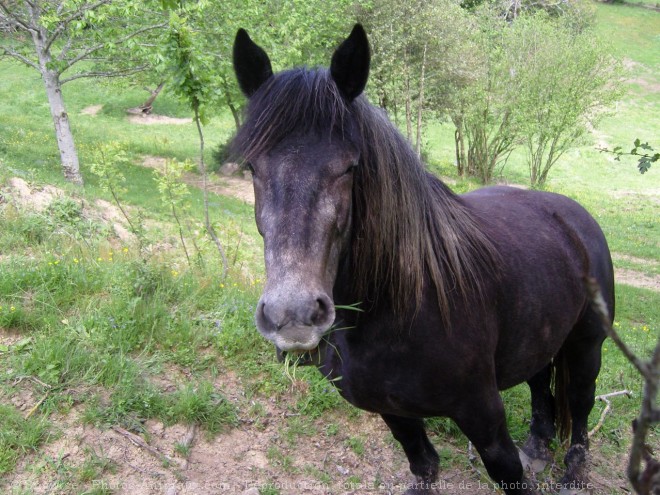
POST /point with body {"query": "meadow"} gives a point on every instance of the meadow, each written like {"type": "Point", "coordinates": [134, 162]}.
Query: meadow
{"type": "Point", "coordinates": [105, 335]}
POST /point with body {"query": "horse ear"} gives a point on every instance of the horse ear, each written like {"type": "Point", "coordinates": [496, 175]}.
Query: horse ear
{"type": "Point", "coordinates": [251, 64]}
{"type": "Point", "coordinates": [350, 63]}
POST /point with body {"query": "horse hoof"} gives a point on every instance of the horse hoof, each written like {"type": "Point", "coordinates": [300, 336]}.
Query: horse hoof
{"type": "Point", "coordinates": [532, 465]}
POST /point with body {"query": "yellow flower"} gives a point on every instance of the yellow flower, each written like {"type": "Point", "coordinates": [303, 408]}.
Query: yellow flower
{"type": "Point", "coordinates": [125, 250]}
{"type": "Point", "coordinates": [222, 286]}
{"type": "Point", "coordinates": [76, 260]}
{"type": "Point", "coordinates": [12, 308]}
{"type": "Point", "coordinates": [99, 259]}
{"type": "Point", "coordinates": [174, 273]}
{"type": "Point", "coordinates": [56, 262]}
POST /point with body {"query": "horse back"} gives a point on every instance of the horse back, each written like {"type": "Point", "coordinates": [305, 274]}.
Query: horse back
{"type": "Point", "coordinates": [547, 244]}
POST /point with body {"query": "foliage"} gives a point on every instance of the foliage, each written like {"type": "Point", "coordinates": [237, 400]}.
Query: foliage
{"type": "Point", "coordinates": [645, 157]}
{"type": "Point", "coordinates": [567, 82]}
{"type": "Point", "coordinates": [104, 163]}
{"type": "Point", "coordinates": [540, 83]}
{"type": "Point", "coordinates": [56, 37]}
{"type": "Point", "coordinates": [175, 195]}
{"type": "Point", "coordinates": [484, 105]}
{"type": "Point", "coordinates": [417, 49]}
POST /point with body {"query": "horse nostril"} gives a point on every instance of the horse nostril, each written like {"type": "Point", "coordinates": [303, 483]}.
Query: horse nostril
{"type": "Point", "coordinates": [323, 309]}
{"type": "Point", "coordinates": [270, 318]}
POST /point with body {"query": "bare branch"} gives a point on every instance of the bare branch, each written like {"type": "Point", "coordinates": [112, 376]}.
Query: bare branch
{"type": "Point", "coordinates": [608, 406]}
{"type": "Point", "coordinates": [120, 73]}
{"type": "Point", "coordinates": [598, 303]}
{"type": "Point", "coordinates": [14, 19]}
{"type": "Point", "coordinates": [644, 481]}
{"type": "Point", "coordinates": [5, 50]}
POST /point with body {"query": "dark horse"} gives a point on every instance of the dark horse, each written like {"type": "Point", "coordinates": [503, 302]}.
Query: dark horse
{"type": "Point", "coordinates": [460, 296]}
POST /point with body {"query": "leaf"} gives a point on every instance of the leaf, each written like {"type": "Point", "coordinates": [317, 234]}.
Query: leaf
{"type": "Point", "coordinates": [22, 344]}
{"type": "Point", "coordinates": [637, 143]}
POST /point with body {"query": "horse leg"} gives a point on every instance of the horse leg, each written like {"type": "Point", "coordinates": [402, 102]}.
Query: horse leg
{"type": "Point", "coordinates": [421, 454]}
{"type": "Point", "coordinates": [583, 356]}
{"type": "Point", "coordinates": [484, 423]}
{"type": "Point", "coordinates": [535, 454]}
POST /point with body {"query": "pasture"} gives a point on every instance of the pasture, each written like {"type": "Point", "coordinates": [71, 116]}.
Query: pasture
{"type": "Point", "coordinates": [125, 368]}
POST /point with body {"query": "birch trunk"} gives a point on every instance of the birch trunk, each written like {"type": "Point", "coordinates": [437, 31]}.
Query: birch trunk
{"type": "Point", "coordinates": [63, 134]}
{"type": "Point", "coordinates": [420, 106]}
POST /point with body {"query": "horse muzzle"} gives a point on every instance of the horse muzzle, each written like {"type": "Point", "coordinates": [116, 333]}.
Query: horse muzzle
{"type": "Point", "coordinates": [295, 323]}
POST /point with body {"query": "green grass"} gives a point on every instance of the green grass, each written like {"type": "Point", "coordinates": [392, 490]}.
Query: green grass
{"type": "Point", "coordinates": [101, 325]}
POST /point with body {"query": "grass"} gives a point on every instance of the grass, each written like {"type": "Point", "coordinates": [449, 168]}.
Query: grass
{"type": "Point", "coordinates": [98, 326]}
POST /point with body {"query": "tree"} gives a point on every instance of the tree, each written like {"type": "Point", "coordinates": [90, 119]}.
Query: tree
{"type": "Point", "coordinates": [568, 82]}
{"type": "Point", "coordinates": [415, 45]}
{"type": "Point", "coordinates": [538, 81]}
{"type": "Point", "coordinates": [484, 104]}
{"type": "Point", "coordinates": [66, 40]}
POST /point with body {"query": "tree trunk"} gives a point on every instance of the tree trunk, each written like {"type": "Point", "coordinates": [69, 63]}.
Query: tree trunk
{"type": "Point", "coordinates": [68, 154]}
{"type": "Point", "coordinates": [420, 106]}
{"type": "Point", "coordinates": [51, 78]}
{"type": "Point", "coordinates": [407, 100]}
{"type": "Point", "coordinates": [148, 105]}
{"type": "Point", "coordinates": [459, 143]}
{"type": "Point", "coordinates": [408, 111]}
{"type": "Point", "coordinates": [230, 103]}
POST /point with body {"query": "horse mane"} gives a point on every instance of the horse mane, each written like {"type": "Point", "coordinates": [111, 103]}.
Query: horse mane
{"type": "Point", "coordinates": [408, 226]}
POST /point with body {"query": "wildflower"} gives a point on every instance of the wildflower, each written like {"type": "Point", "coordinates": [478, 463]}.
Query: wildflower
{"type": "Point", "coordinates": [99, 259]}
{"type": "Point", "coordinates": [125, 250]}
{"type": "Point", "coordinates": [76, 260]}
{"type": "Point", "coordinates": [222, 286]}
{"type": "Point", "coordinates": [12, 308]}
{"type": "Point", "coordinates": [56, 262]}
{"type": "Point", "coordinates": [174, 273]}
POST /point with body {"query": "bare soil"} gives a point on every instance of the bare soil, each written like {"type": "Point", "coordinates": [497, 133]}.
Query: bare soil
{"type": "Point", "coordinates": [255, 457]}
{"type": "Point", "coordinates": [233, 186]}
{"type": "Point", "coordinates": [92, 110]}
{"type": "Point", "coordinates": [155, 119]}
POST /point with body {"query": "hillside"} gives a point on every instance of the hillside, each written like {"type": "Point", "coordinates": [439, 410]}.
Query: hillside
{"type": "Point", "coordinates": [129, 364]}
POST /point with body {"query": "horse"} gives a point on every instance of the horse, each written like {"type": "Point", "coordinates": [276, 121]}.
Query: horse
{"type": "Point", "coordinates": [415, 301]}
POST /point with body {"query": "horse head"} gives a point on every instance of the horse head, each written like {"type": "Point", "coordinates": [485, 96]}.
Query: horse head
{"type": "Point", "coordinates": [297, 142]}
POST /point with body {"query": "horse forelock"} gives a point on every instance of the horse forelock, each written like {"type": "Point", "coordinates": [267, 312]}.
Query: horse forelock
{"type": "Point", "coordinates": [407, 225]}
{"type": "Point", "coordinates": [293, 101]}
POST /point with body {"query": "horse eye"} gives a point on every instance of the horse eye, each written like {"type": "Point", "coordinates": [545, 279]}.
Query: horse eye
{"type": "Point", "coordinates": [351, 168]}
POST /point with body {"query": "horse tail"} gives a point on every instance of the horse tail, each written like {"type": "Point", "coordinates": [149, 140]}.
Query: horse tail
{"type": "Point", "coordinates": [562, 407]}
